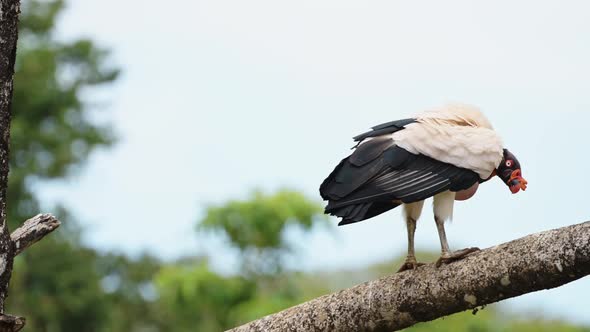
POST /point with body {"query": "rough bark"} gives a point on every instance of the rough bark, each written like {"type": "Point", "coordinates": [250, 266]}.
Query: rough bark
{"type": "Point", "coordinates": [536, 262]}
{"type": "Point", "coordinates": [33, 230]}
{"type": "Point", "coordinates": [9, 11]}
{"type": "Point", "coordinates": [11, 323]}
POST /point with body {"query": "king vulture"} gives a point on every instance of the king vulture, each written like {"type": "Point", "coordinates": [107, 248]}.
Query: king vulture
{"type": "Point", "coordinates": [445, 153]}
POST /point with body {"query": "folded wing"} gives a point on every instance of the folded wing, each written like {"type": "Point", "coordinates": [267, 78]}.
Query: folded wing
{"type": "Point", "coordinates": [380, 175]}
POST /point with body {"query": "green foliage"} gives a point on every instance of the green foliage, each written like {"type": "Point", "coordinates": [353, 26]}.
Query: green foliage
{"type": "Point", "coordinates": [127, 286]}
{"type": "Point", "coordinates": [259, 222]}
{"type": "Point", "coordinates": [51, 133]}
{"type": "Point", "coordinates": [278, 292]}
{"type": "Point", "coordinates": [57, 289]}
{"type": "Point", "coordinates": [493, 321]}
{"type": "Point", "coordinates": [56, 284]}
{"type": "Point", "coordinates": [37, 18]}
{"type": "Point", "coordinates": [257, 226]}
{"type": "Point", "coordinates": [192, 298]}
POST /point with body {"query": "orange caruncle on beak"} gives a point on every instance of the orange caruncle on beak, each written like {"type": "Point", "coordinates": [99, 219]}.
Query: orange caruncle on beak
{"type": "Point", "coordinates": [521, 182]}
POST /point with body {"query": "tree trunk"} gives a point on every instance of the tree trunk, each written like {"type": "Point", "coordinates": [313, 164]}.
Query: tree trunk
{"type": "Point", "coordinates": [41, 225]}
{"type": "Point", "coordinates": [9, 11]}
{"type": "Point", "coordinates": [536, 262]}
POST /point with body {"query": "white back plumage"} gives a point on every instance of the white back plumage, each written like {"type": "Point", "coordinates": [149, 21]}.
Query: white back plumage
{"type": "Point", "coordinates": [456, 134]}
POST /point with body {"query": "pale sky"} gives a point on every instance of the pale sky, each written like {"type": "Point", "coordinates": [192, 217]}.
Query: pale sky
{"type": "Point", "coordinates": [218, 98]}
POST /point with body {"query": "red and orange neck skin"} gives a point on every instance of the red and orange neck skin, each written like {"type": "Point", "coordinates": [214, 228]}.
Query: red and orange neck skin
{"type": "Point", "coordinates": [516, 182]}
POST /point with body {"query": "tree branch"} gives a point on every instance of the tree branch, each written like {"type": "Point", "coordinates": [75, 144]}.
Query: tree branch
{"type": "Point", "coordinates": [11, 323]}
{"type": "Point", "coordinates": [540, 261]}
{"type": "Point", "coordinates": [33, 230]}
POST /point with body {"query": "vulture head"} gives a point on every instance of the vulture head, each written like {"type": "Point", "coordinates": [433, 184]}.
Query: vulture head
{"type": "Point", "coordinates": [510, 172]}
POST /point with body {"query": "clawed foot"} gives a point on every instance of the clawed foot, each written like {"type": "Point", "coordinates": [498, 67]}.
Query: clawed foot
{"type": "Point", "coordinates": [455, 256]}
{"type": "Point", "coordinates": [409, 265]}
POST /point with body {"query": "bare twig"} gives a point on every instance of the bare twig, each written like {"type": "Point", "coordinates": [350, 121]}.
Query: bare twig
{"type": "Point", "coordinates": [33, 230]}
{"type": "Point", "coordinates": [539, 261]}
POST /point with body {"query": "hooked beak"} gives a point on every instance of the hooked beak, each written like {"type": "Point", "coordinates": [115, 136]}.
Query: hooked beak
{"type": "Point", "coordinates": [517, 182]}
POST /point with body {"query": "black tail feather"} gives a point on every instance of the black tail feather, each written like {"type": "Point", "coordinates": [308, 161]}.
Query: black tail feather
{"type": "Point", "coordinates": [358, 212]}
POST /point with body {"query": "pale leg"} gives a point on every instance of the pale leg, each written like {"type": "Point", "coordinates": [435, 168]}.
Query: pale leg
{"type": "Point", "coordinates": [444, 244]}
{"type": "Point", "coordinates": [411, 224]}
{"type": "Point", "coordinates": [443, 210]}
{"type": "Point", "coordinates": [412, 212]}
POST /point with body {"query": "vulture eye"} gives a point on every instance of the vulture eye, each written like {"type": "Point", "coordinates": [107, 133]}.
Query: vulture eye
{"type": "Point", "coordinates": [509, 163]}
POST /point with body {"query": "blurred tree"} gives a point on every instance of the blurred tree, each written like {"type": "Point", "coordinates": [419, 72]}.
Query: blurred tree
{"type": "Point", "coordinates": [56, 284]}
{"type": "Point", "coordinates": [130, 291]}
{"type": "Point", "coordinates": [256, 227]}
{"type": "Point", "coordinates": [51, 131]}
{"type": "Point", "coordinates": [56, 288]}
{"type": "Point", "coordinates": [193, 298]}
{"type": "Point", "coordinates": [494, 321]}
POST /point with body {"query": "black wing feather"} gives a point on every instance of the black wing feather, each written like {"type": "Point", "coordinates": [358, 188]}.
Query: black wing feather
{"type": "Point", "coordinates": [370, 150]}
{"type": "Point", "coordinates": [384, 128]}
{"type": "Point", "coordinates": [379, 176]}
{"type": "Point", "coordinates": [355, 170]}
